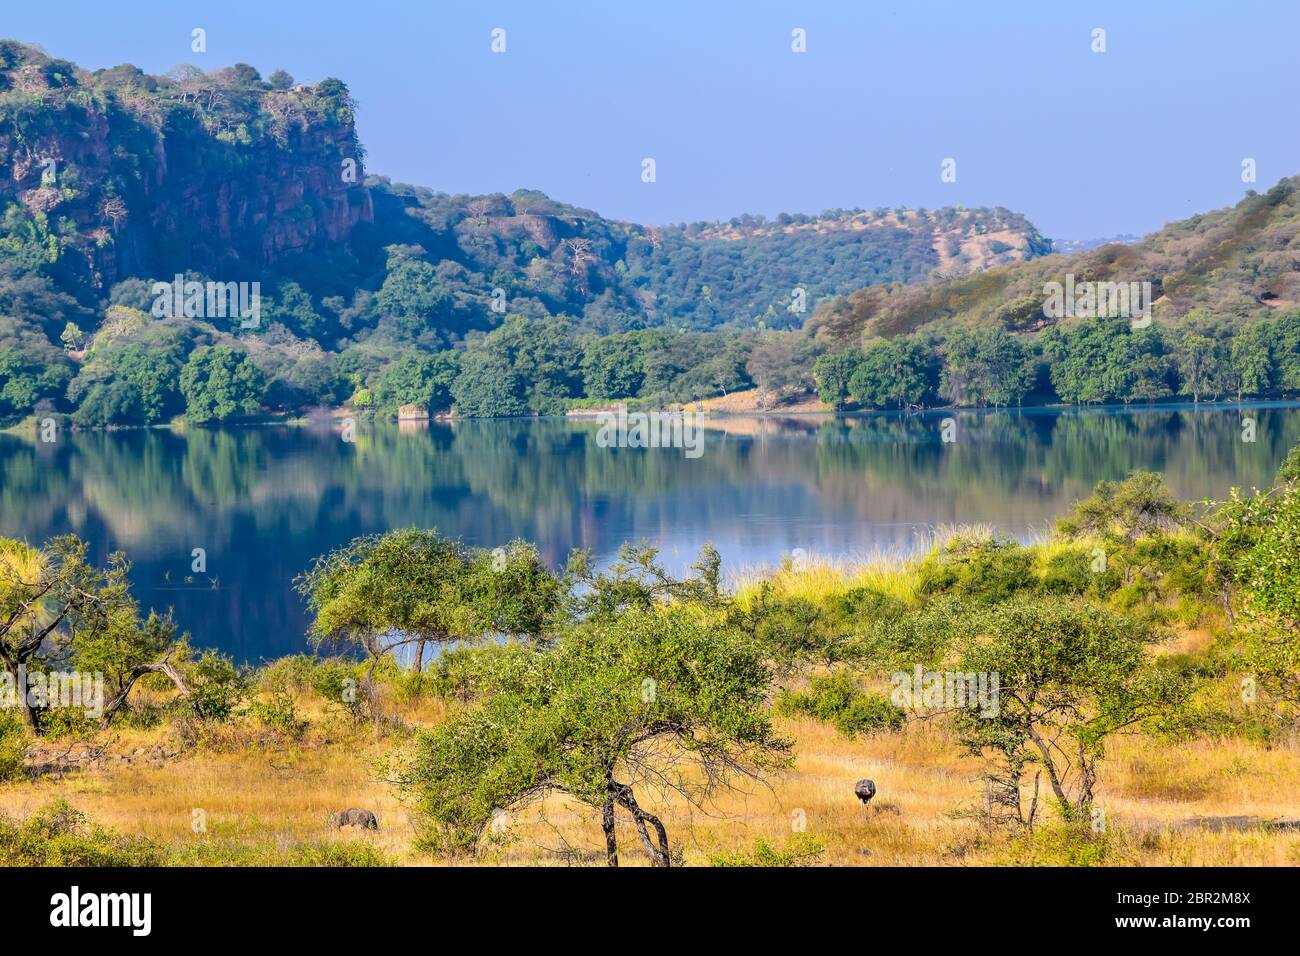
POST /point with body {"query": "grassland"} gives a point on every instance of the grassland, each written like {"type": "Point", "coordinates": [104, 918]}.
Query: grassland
{"type": "Point", "coordinates": [265, 796]}
{"type": "Point", "coordinates": [264, 793]}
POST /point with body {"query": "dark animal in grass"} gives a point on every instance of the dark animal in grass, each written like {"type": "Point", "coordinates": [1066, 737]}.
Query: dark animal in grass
{"type": "Point", "coordinates": [864, 790]}
{"type": "Point", "coordinates": [352, 817]}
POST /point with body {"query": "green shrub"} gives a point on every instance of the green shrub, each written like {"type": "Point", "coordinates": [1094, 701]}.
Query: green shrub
{"type": "Point", "coordinates": [1136, 507]}
{"type": "Point", "coordinates": [1068, 572]}
{"type": "Point", "coordinates": [67, 722]}
{"type": "Point", "coordinates": [1075, 571]}
{"type": "Point", "coordinates": [1069, 844]}
{"type": "Point", "coordinates": [828, 631]}
{"type": "Point", "coordinates": [280, 712]}
{"type": "Point", "coordinates": [1182, 564]}
{"type": "Point", "coordinates": [217, 687]}
{"type": "Point", "coordinates": [984, 570]}
{"type": "Point", "coordinates": [60, 835]}
{"type": "Point", "coordinates": [793, 628]}
{"type": "Point", "coordinates": [803, 849]}
{"type": "Point", "coordinates": [836, 699]}
{"type": "Point", "coordinates": [14, 738]}
{"type": "Point", "coordinates": [350, 854]}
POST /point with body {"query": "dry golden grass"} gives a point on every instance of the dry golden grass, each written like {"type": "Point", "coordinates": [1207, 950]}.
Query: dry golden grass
{"type": "Point", "coordinates": [260, 792]}
{"type": "Point", "coordinates": [749, 404]}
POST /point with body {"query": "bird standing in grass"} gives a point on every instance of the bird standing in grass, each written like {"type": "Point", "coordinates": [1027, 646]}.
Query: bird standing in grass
{"type": "Point", "coordinates": [864, 790]}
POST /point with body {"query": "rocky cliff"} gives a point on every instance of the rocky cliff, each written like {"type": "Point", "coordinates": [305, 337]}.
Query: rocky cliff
{"type": "Point", "coordinates": [118, 173]}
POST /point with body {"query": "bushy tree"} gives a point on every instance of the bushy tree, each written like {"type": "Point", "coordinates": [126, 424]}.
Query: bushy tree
{"type": "Point", "coordinates": [418, 379]}
{"type": "Point", "coordinates": [1285, 342]}
{"type": "Point", "coordinates": [1138, 506]}
{"type": "Point", "coordinates": [55, 606]}
{"type": "Point", "coordinates": [1198, 359]}
{"type": "Point", "coordinates": [985, 367]}
{"type": "Point", "coordinates": [1251, 361]}
{"type": "Point", "coordinates": [317, 381]}
{"type": "Point", "coordinates": [109, 403]}
{"type": "Point", "coordinates": [383, 592]}
{"type": "Point", "coordinates": [781, 364]}
{"type": "Point", "coordinates": [668, 695]}
{"type": "Point", "coordinates": [799, 631]}
{"type": "Point", "coordinates": [25, 380]}
{"type": "Point", "coordinates": [612, 366]}
{"type": "Point", "coordinates": [525, 366]}
{"type": "Point", "coordinates": [894, 373]}
{"type": "Point", "coordinates": [833, 372]}
{"type": "Point", "coordinates": [489, 386]}
{"type": "Point", "coordinates": [220, 383]}
{"type": "Point", "coordinates": [136, 384]}
{"type": "Point", "coordinates": [292, 305]}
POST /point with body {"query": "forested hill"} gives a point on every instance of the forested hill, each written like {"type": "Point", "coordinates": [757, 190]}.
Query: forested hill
{"type": "Point", "coordinates": [375, 295]}
{"type": "Point", "coordinates": [116, 175]}
{"type": "Point", "coordinates": [1210, 272]}
{"type": "Point", "coordinates": [549, 256]}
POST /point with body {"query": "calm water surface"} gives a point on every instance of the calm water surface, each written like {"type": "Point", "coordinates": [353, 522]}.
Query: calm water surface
{"type": "Point", "coordinates": [263, 501]}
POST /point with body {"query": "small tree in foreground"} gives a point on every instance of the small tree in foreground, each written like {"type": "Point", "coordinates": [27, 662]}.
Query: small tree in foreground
{"type": "Point", "coordinates": [668, 697]}
{"type": "Point", "coordinates": [57, 608]}
{"type": "Point", "coordinates": [414, 586]}
{"type": "Point", "coordinates": [1070, 676]}
{"type": "Point", "coordinates": [1257, 556]}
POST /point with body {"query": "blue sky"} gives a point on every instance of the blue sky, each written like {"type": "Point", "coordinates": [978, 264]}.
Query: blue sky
{"type": "Point", "coordinates": [1085, 144]}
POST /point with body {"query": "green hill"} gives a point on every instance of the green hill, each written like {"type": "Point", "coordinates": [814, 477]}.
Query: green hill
{"type": "Point", "coordinates": [378, 294]}
{"type": "Point", "coordinates": [1224, 267]}
{"type": "Point", "coordinates": [119, 175]}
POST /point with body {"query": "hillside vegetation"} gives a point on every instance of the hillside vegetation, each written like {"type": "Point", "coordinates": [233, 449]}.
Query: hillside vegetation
{"type": "Point", "coordinates": [119, 179]}
{"type": "Point", "coordinates": [1218, 268]}
{"type": "Point", "coordinates": [375, 295]}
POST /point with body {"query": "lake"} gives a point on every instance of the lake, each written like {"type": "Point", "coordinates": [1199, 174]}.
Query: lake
{"type": "Point", "coordinates": [264, 501]}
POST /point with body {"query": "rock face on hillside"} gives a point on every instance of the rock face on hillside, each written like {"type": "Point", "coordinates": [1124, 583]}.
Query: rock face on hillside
{"type": "Point", "coordinates": [113, 175]}
{"type": "Point", "coordinates": [117, 173]}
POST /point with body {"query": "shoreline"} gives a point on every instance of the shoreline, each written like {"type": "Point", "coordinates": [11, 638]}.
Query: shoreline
{"type": "Point", "coordinates": [592, 414]}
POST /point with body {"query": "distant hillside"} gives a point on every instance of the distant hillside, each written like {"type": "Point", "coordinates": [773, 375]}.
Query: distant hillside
{"type": "Point", "coordinates": [1235, 264]}
{"type": "Point", "coordinates": [117, 175]}
{"type": "Point", "coordinates": [547, 256]}
{"type": "Point", "coordinates": [747, 269]}
{"type": "Point", "coordinates": [376, 295]}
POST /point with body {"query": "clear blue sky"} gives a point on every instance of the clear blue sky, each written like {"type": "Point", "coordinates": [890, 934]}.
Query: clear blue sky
{"type": "Point", "coordinates": [1085, 144]}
